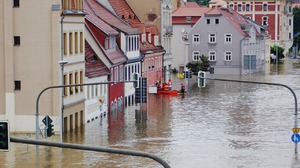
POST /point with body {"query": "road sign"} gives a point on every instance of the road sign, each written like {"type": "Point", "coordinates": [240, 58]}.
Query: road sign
{"type": "Point", "coordinates": [295, 137]}
{"type": "Point", "coordinates": [295, 130]}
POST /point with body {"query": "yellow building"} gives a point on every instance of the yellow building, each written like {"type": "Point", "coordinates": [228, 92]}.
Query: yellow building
{"type": "Point", "coordinates": [31, 50]}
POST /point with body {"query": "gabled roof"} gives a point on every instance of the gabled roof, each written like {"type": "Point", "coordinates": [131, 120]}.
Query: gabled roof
{"type": "Point", "coordinates": [108, 17]}
{"type": "Point", "coordinates": [93, 65]}
{"type": "Point", "coordinates": [195, 11]}
{"type": "Point", "coordinates": [95, 26]}
{"type": "Point", "coordinates": [234, 18]}
{"type": "Point", "coordinates": [91, 17]}
{"type": "Point", "coordinates": [123, 10]}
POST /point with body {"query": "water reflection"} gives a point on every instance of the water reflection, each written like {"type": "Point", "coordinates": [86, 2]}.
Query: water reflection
{"type": "Point", "coordinates": [225, 124]}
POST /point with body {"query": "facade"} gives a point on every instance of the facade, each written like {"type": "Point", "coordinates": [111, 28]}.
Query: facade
{"type": "Point", "coordinates": [116, 44]}
{"type": "Point", "coordinates": [232, 44]}
{"type": "Point", "coordinates": [159, 13]}
{"type": "Point", "coordinates": [96, 95]}
{"type": "Point", "coordinates": [31, 37]}
{"type": "Point", "coordinates": [276, 15]}
{"type": "Point", "coordinates": [183, 19]}
{"type": "Point", "coordinates": [150, 52]}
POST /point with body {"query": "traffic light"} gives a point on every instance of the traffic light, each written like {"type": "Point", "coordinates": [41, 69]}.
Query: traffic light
{"type": "Point", "coordinates": [4, 136]}
{"type": "Point", "coordinates": [188, 74]}
{"type": "Point", "coordinates": [136, 80]}
{"type": "Point", "coordinates": [49, 126]}
{"type": "Point", "coordinates": [201, 79]}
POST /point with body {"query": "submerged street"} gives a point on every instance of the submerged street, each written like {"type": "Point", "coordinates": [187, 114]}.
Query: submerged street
{"type": "Point", "coordinates": [224, 125]}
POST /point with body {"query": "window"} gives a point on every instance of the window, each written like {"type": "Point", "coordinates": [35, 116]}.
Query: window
{"type": "Point", "coordinates": [76, 42]}
{"type": "Point", "coordinates": [290, 22]}
{"type": "Point", "coordinates": [265, 21]}
{"type": "Point", "coordinates": [228, 55]}
{"type": "Point", "coordinates": [17, 40]}
{"type": "Point", "coordinates": [16, 3]}
{"type": "Point", "coordinates": [239, 7]}
{"type": "Point", "coordinates": [17, 85]}
{"type": "Point", "coordinates": [196, 38]}
{"type": "Point", "coordinates": [207, 21]}
{"type": "Point", "coordinates": [188, 19]}
{"type": "Point", "coordinates": [228, 38]}
{"type": "Point", "coordinates": [290, 35]}
{"type": "Point", "coordinates": [212, 38]}
{"type": "Point", "coordinates": [65, 44]}
{"type": "Point", "coordinates": [71, 43]}
{"type": "Point", "coordinates": [65, 83]}
{"type": "Point", "coordinates": [231, 6]}
{"type": "Point", "coordinates": [71, 82]}
{"type": "Point", "coordinates": [212, 55]}
{"type": "Point", "coordinates": [81, 80]}
{"type": "Point", "coordinates": [247, 7]}
{"type": "Point", "coordinates": [81, 42]}
{"type": "Point", "coordinates": [196, 56]}
{"type": "Point", "coordinates": [76, 82]}
{"type": "Point", "coordinates": [216, 21]}
{"type": "Point", "coordinates": [265, 7]}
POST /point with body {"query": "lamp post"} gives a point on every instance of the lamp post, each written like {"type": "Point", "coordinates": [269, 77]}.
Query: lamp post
{"type": "Point", "coordinates": [62, 64]}
{"type": "Point", "coordinates": [186, 44]}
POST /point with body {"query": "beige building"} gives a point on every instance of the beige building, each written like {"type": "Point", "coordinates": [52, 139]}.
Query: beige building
{"type": "Point", "coordinates": [31, 35]}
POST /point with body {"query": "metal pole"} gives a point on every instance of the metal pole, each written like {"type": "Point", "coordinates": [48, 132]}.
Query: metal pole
{"type": "Point", "coordinates": [62, 76]}
{"type": "Point", "coordinates": [267, 83]}
{"type": "Point", "coordinates": [61, 86]}
{"type": "Point", "coordinates": [92, 148]}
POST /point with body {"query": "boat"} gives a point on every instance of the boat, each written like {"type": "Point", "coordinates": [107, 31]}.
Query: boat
{"type": "Point", "coordinates": [170, 92]}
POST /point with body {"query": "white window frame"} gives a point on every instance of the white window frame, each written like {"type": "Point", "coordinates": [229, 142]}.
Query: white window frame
{"type": "Point", "coordinates": [265, 5]}
{"type": "Point", "coordinates": [267, 20]}
{"type": "Point", "coordinates": [228, 38]}
{"type": "Point", "coordinates": [196, 55]}
{"type": "Point", "coordinates": [231, 6]}
{"type": "Point", "coordinates": [212, 54]}
{"type": "Point", "coordinates": [195, 38]}
{"type": "Point", "coordinates": [217, 19]}
{"type": "Point", "coordinates": [212, 38]}
{"type": "Point", "coordinates": [239, 7]}
{"type": "Point", "coordinates": [188, 19]}
{"type": "Point", "coordinates": [248, 7]}
{"type": "Point", "coordinates": [228, 56]}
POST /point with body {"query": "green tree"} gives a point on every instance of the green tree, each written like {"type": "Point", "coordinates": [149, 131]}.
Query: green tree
{"type": "Point", "coordinates": [296, 12]}
{"type": "Point", "coordinates": [277, 50]}
{"type": "Point", "coordinates": [200, 2]}
{"type": "Point", "coordinates": [297, 40]}
{"type": "Point", "coordinates": [196, 66]}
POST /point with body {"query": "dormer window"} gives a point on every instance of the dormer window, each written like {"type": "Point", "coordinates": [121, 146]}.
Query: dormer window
{"type": "Point", "coordinates": [265, 7]}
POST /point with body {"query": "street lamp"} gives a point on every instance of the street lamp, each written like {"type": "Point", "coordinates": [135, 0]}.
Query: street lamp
{"type": "Point", "coordinates": [185, 39]}
{"type": "Point", "coordinates": [62, 64]}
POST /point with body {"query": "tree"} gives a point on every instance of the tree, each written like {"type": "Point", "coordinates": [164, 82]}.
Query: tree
{"type": "Point", "coordinates": [297, 40]}
{"type": "Point", "coordinates": [277, 50]}
{"type": "Point", "coordinates": [196, 66]}
{"type": "Point", "coordinates": [200, 2]}
{"type": "Point", "coordinates": [296, 12]}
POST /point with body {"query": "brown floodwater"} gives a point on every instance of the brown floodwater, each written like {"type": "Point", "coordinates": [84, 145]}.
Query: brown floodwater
{"type": "Point", "coordinates": [223, 125]}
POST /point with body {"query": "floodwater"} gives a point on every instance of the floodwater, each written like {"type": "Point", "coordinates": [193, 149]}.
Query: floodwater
{"type": "Point", "coordinates": [225, 124]}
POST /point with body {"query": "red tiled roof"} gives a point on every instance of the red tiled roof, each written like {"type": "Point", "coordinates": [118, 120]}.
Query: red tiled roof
{"type": "Point", "coordinates": [124, 11]}
{"type": "Point", "coordinates": [98, 22]}
{"type": "Point", "coordinates": [183, 11]}
{"type": "Point", "coordinates": [115, 56]}
{"type": "Point", "coordinates": [109, 18]}
{"type": "Point", "coordinates": [93, 65]}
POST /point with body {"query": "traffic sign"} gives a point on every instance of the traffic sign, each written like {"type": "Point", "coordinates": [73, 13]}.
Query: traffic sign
{"type": "Point", "coordinates": [295, 130]}
{"type": "Point", "coordinates": [295, 137]}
